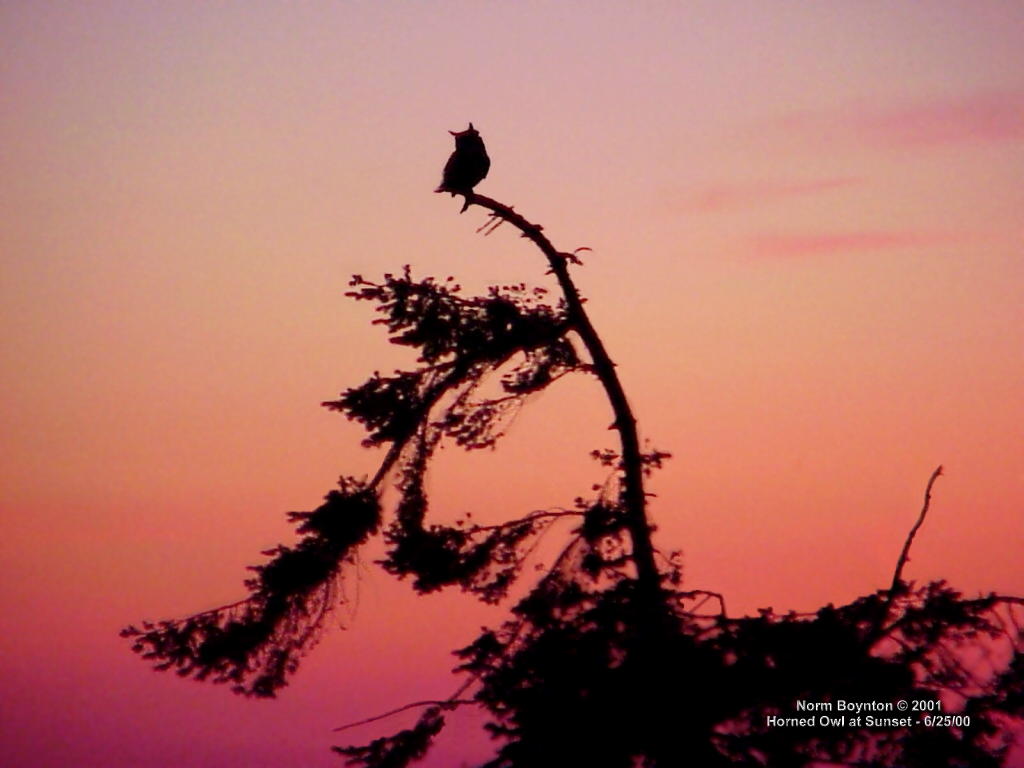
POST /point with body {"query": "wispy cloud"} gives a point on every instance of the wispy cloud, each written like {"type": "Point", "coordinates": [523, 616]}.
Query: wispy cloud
{"type": "Point", "coordinates": [718, 197]}
{"type": "Point", "coordinates": [979, 118]}
{"type": "Point", "coordinates": [776, 245]}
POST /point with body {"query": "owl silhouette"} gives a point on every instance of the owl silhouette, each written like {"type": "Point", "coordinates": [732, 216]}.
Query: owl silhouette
{"type": "Point", "coordinates": [468, 164]}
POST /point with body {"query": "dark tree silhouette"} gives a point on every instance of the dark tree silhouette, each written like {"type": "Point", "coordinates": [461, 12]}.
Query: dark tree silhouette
{"type": "Point", "coordinates": [608, 660]}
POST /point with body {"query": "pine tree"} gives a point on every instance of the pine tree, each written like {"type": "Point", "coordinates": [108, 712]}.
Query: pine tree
{"type": "Point", "coordinates": [608, 660]}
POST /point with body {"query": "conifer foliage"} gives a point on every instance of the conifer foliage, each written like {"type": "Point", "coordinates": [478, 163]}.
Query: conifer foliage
{"type": "Point", "coordinates": [608, 660]}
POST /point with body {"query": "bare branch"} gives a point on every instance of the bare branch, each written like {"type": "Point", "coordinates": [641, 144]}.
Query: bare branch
{"type": "Point", "coordinates": [880, 629]}
{"type": "Point", "coordinates": [443, 704]}
{"type": "Point", "coordinates": [538, 515]}
{"type": "Point", "coordinates": [707, 595]}
{"type": "Point", "coordinates": [905, 554]}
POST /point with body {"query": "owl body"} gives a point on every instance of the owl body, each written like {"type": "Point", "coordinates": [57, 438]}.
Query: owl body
{"type": "Point", "coordinates": [468, 164]}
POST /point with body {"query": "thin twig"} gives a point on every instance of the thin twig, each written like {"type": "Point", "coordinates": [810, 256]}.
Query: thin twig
{"type": "Point", "coordinates": [454, 701]}
{"type": "Point", "coordinates": [444, 704]}
{"type": "Point", "coordinates": [526, 519]}
{"type": "Point", "coordinates": [707, 595]}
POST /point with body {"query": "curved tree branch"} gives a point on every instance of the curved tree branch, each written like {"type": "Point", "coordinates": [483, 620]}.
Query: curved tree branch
{"type": "Point", "coordinates": [880, 628]}
{"type": "Point", "coordinates": [905, 554]}
{"type": "Point", "coordinates": [633, 495]}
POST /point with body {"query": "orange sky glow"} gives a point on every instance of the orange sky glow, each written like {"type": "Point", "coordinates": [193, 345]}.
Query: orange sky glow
{"type": "Point", "coordinates": [807, 264]}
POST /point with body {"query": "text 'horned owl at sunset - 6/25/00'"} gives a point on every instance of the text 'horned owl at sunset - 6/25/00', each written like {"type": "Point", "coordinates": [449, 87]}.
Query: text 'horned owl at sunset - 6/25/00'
{"type": "Point", "coordinates": [468, 164]}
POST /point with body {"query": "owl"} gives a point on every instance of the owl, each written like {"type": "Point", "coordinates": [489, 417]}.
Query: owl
{"type": "Point", "coordinates": [468, 164]}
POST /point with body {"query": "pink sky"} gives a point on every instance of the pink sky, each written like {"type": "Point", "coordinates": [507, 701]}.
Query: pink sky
{"type": "Point", "coordinates": [807, 262]}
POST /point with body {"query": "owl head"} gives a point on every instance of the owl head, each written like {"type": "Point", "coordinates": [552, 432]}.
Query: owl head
{"type": "Point", "coordinates": [471, 131]}
{"type": "Point", "coordinates": [467, 139]}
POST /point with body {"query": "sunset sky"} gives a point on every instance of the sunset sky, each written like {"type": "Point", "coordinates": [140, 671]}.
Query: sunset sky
{"type": "Point", "coordinates": [808, 263]}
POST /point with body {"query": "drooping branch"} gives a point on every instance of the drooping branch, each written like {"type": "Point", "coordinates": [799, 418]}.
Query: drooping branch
{"type": "Point", "coordinates": [633, 494]}
{"type": "Point", "coordinates": [460, 340]}
{"type": "Point", "coordinates": [256, 644]}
